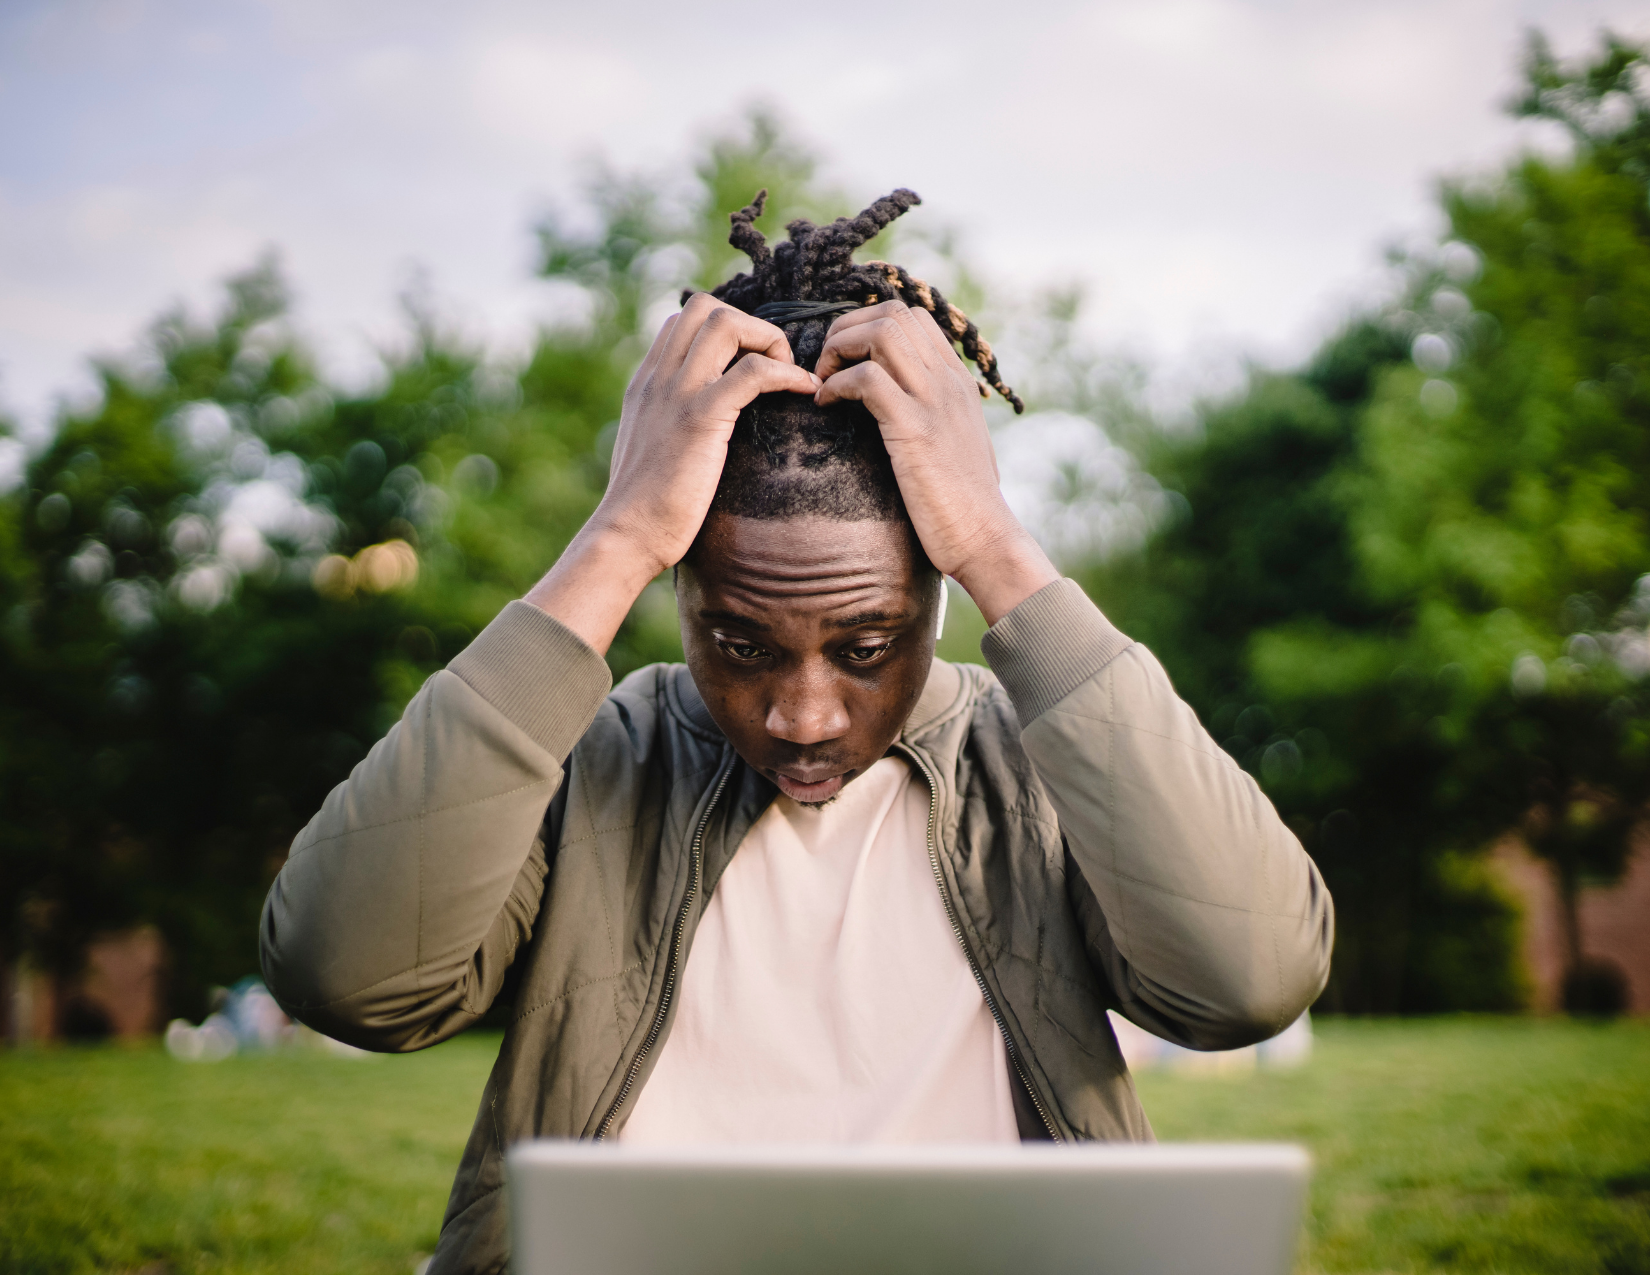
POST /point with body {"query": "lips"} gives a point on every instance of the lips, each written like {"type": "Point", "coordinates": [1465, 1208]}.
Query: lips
{"type": "Point", "coordinates": [820, 790]}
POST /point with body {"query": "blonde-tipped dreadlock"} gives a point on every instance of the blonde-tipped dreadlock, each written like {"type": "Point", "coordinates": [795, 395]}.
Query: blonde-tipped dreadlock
{"type": "Point", "coordinates": [816, 265]}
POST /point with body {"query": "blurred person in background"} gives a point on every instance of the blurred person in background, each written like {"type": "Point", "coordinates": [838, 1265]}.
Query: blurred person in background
{"type": "Point", "coordinates": [813, 885]}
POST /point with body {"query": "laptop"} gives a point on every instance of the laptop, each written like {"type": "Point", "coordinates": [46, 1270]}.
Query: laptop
{"type": "Point", "coordinates": [581, 1208]}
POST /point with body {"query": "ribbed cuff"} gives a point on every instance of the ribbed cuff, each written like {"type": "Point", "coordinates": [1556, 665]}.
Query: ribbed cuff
{"type": "Point", "coordinates": [538, 673]}
{"type": "Point", "coordinates": [1048, 646]}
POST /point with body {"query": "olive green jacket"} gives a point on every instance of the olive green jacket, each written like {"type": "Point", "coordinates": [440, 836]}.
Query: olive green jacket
{"type": "Point", "coordinates": [522, 830]}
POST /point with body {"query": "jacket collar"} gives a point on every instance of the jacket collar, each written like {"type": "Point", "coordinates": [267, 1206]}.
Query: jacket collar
{"type": "Point", "coordinates": [688, 702]}
{"type": "Point", "coordinates": [941, 695]}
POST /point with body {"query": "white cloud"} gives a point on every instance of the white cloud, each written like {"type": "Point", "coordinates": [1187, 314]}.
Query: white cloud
{"type": "Point", "coordinates": [1223, 172]}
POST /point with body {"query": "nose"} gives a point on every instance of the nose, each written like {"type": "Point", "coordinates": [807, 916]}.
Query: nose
{"type": "Point", "coordinates": [808, 709]}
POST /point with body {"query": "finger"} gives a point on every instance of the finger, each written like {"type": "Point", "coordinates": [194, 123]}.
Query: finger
{"type": "Point", "coordinates": [651, 360]}
{"type": "Point", "coordinates": [938, 341]}
{"type": "Point", "coordinates": [909, 317]}
{"type": "Point", "coordinates": [726, 396]}
{"type": "Point", "coordinates": [925, 334]}
{"type": "Point", "coordinates": [689, 320]}
{"type": "Point", "coordinates": [923, 322]}
{"type": "Point", "coordinates": [865, 314]}
{"type": "Point", "coordinates": [855, 319]}
{"type": "Point", "coordinates": [867, 383]}
{"type": "Point", "coordinates": [883, 312]}
{"type": "Point", "coordinates": [887, 341]}
{"type": "Point", "coordinates": [723, 336]}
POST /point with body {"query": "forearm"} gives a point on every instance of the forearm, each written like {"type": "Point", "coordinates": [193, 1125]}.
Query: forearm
{"type": "Point", "coordinates": [704, 367]}
{"type": "Point", "coordinates": [1006, 570]}
{"type": "Point", "coordinates": [408, 889]}
{"type": "Point", "coordinates": [595, 582]}
{"type": "Point", "coordinates": [1216, 925]}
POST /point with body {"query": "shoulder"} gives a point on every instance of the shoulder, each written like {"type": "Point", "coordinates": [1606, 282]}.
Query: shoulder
{"type": "Point", "coordinates": [977, 742]}
{"type": "Point", "coordinates": [990, 709]}
{"type": "Point", "coordinates": [963, 704]}
{"type": "Point", "coordinates": [645, 711]}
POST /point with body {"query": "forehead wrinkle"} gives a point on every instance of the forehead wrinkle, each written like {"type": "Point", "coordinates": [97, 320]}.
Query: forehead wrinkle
{"type": "Point", "coordinates": [827, 596]}
{"type": "Point", "coordinates": [807, 581]}
{"type": "Point", "coordinates": [804, 564]}
{"type": "Point", "coordinates": [824, 567]}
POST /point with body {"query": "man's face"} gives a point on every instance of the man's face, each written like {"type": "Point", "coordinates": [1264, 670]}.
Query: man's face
{"type": "Point", "coordinates": [810, 641]}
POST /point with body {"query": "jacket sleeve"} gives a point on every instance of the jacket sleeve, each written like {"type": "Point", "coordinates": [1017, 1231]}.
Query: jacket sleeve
{"type": "Point", "coordinates": [402, 904]}
{"type": "Point", "coordinates": [1214, 927]}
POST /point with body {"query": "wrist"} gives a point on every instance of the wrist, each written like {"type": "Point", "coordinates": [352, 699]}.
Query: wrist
{"type": "Point", "coordinates": [1008, 569]}
{"type": "Point", "coordinates": [624, 544]}
{"type": "Point", "coordinates": [594, 583]}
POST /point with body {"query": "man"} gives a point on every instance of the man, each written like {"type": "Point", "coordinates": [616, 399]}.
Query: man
{"type": "Point", "coordinates": [814, 885]}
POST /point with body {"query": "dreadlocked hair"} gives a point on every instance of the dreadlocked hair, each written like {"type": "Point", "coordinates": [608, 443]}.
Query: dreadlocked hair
{"type": "Point", "coordinates": [816, 264]}
{"type": "Point", "coordinates": [787, 456]}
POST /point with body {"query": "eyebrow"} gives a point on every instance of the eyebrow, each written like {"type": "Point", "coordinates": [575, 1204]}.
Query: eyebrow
{"type": "Point", "coordinates": [854, 621]}
{"type": "Point", "coordinates": [733, 617]}
{"type": "Point", "coordinates": [869, 617]}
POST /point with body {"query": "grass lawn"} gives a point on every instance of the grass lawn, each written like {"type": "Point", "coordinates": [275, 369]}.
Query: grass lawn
{"type": "Point", "coordinates": [1504, 1145]}
{"type": "Point", "coordinates": [1458, 1144]}
{"type": "Point", "coordinates": [112, 1159]}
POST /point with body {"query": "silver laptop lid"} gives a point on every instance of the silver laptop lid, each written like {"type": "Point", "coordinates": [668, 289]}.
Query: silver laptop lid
{"type": "Point", "coordinates": [580, 1208]}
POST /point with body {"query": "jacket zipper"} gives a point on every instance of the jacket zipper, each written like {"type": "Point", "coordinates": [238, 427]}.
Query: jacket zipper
{"type": "Point", "coordinates": [973, 965]}
{"type": "Point", "coordinates": [695, 866]}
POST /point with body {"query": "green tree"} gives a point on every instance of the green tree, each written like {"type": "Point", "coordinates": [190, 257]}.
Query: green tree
{"type": "Point", "coordinates": [1406, 593]}
{"type": "Point", "coordinates": [1507, 495]}
{"type": "Point", "coordinates": [175, 696]}
{"type": "Point", "coordinates": [223, 581]}
{"type": "Point", "coordinates": [1263, 552]}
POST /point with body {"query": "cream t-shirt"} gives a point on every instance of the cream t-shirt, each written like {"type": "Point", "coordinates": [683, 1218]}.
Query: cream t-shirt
{"type": "Point", "coordinates": [826, 998]}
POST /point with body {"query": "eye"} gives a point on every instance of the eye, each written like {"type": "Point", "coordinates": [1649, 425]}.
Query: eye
{"type": "Point", "coordinates": [866, 653]}
{"type": "Point", "coordinates": [743, 652]}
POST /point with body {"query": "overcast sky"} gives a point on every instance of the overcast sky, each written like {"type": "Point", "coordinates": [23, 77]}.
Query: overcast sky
{"type": "Point", "coordinates": [1223, 174]}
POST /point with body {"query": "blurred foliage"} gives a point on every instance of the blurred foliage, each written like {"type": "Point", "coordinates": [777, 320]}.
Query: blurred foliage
{"type": "Point", "coordinates": [163, 739]}
{"type": "Point", "coordinates": [1410, 592]}
{"type": "Point", "coordinates": [223, 581]}
{"type": "Point", "coordinates": [1403, 585]}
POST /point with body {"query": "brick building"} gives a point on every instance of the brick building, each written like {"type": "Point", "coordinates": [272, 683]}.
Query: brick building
{"type": "Point", "coordinates": [120, 992]}
{"type": "Point", "coordinates": [1614, 922]}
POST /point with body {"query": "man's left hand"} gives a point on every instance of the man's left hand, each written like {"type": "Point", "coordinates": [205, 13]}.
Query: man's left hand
{"type": "Point", "coordinates": [898, 363]}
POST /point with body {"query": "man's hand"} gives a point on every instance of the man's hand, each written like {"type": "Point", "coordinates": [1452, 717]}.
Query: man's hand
{"type": "Point", "coordinates": [678, 413]}
{"type": "Point", "coordinates": [898, 363]}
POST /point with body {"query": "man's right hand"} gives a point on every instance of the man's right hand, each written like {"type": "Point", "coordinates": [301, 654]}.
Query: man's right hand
{"type": "Point", "coordinates": [678, 414]}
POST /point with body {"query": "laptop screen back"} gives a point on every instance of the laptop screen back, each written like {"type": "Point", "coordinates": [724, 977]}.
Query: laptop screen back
{"type": "Point", "coordinates": [580, 1208]}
